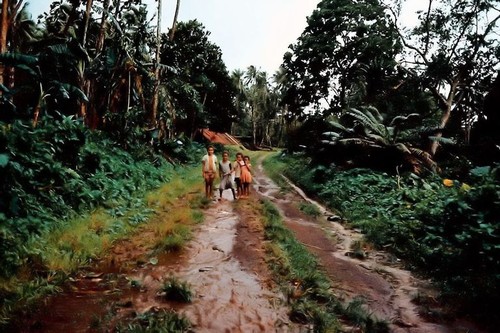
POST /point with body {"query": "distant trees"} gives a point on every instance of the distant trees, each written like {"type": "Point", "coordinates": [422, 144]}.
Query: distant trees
{"type": "Point", "coordinates": [357, 55]}
{"type": "Point", "coordinates": [258, 101]}
{"type": "Point", "coordinates": [97, 60]}
{"type": "Point", "coordinates": [200, 89]}
{"type": "Point", "coordinates": [453, 52]}
{"type": "Point", "coordinates": [345, 56]}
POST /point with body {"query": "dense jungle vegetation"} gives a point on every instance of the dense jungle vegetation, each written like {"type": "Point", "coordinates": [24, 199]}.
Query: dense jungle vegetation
{"type": "Point", "coordinates": [395, 127]}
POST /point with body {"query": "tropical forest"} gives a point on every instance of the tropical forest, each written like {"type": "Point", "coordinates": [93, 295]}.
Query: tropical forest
{"type": "Point", "coordinates": [370, 198]}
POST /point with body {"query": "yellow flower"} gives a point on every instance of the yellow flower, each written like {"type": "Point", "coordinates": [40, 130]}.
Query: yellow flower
{"type": "Point", "coordinates": [465, 187]}
{"type": "Point", "coordinates": [448, 182]}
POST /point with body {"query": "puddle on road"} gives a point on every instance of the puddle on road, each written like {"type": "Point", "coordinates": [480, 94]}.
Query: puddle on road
{"type": "Point", "coordinates": [227, 296]}
{"type": "Point", "coordinates": [387, 289]}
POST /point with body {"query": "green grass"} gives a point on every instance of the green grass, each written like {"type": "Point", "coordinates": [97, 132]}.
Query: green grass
{"type": "Point", "coordinates": [155, 321]}
{"type": "Point", "coordinates": [175, 240]}
{"type": "Point", "coordinates": [176, 290]}
{"type": "Point", "coordinates": [308, 289]}
{"type": "Point", "coordinates": [310, 209]}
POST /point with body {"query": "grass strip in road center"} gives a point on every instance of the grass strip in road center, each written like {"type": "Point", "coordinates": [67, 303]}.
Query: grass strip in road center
{"type": "Point", "coordinates": [307, 288]}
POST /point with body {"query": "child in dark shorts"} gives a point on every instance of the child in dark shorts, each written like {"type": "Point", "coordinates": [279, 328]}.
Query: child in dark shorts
{"type": "Point", "coordinates": [237, 173]}
{"type": "Point", "coordinates": [226, 175]}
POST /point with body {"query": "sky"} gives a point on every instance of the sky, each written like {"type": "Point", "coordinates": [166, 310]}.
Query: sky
{"type": "Point", "coordinates": [249, 32]}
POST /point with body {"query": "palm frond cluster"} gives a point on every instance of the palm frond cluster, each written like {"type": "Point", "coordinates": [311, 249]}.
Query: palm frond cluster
{"type": "Point", "coordinates": [362, 137]}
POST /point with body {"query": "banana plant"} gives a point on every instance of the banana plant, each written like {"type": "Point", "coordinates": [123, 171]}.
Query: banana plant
{"type": "Point", "coordinates": [364, 131]}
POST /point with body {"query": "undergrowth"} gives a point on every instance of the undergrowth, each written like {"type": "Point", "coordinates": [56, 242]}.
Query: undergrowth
{"type": "Point", "coordinates": [68, 193]}
{"type": "Point", "coordinates": [445, 228]}
{"type": "Point", "coordinates": [308, 289]}
{"type": "Point", "coordinates": [155, 321]}
{"type": "Point", "coordinates": [176, 290]}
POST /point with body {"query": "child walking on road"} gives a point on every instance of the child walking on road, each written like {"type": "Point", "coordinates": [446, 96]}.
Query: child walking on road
{"type": "Point", "coordinates": [226, 175]}
{"type": "Point", "coordinates": [237, 173]}
{"type": "Point", "coordinates": [209, 170]}
{"type": "Point", "coordinates": [246, 175]}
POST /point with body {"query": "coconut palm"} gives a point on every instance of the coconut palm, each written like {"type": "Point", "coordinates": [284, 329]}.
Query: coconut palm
{"type": "Point", "coordinates": [240, 98]}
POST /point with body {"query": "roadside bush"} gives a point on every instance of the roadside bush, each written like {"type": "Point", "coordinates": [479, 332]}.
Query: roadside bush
{"type": "Point", "coordinates": [448, 230]}
{"type": "Point", "coordinates": [59, 168]}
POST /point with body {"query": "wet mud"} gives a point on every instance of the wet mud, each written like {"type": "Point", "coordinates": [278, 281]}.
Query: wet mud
{"type": "Point", "coordinates": [387, 289]}
{"type": "Point", "coordinates": [223, 265]}
{"type": "Point", "coordinates": [233, 291]}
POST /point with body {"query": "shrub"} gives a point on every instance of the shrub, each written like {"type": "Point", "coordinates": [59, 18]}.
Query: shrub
{"type": "Point", "coordinates": [448, 230]}
{"type": "Point", "coordinates": [175, 290]}
{"type": "Point", "coordinates": [58, 169]}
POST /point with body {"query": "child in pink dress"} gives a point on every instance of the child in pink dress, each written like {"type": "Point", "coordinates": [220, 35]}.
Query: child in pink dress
{"type": "Point", "coordinates": [246, 175]}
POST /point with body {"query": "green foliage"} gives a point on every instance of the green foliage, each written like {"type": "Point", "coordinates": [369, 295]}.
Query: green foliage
{"type": "Point", "coordinates": [363, 138]}
{"type": "Point", "coordinates": [201, 90]}
{"type": "Point", "coordinates": [156, 321]}
{"type": "Point", "coordinates": [447, 229]}
{"type": "Point", "coordinates": [175, 290]}
{"type": "Point", "coordinates": [349, 45]}
{"type": "Point", "coordinates": [58, 169]}
{"type": "Point", "coordinates": [181, 149]}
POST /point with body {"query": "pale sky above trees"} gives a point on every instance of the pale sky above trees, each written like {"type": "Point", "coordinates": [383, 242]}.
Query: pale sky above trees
{"type": "Point", "coordinates": [256, 32]}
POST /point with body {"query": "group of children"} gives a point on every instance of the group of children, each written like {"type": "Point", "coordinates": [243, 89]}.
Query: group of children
{"type": "Point", "coordinates": [235, 176]}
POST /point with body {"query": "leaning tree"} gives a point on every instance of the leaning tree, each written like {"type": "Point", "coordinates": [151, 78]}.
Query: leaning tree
{"type": "Point", "coordinates": [453, 52]}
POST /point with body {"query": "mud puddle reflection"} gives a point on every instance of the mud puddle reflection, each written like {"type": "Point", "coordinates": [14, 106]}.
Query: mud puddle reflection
{"type": "Point", "coordinates": [227, 296]}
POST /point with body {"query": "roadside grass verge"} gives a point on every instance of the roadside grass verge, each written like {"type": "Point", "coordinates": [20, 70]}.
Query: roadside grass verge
{"type": "Point", "coordinates": [157, 321]}
{"type": "Point", "coordinates": [307, 288]}
{"type": "Point", "coordinates": [274, 169]}
{"type": "Point", "coordinates": [161, 220]}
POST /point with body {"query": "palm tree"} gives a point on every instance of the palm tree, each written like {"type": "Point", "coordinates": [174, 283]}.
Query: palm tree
{"type": "Point", "coordinates": [156, 84]}
{"type": "Point", "coordinates": [362, 132]}
{"type": "Point", "coordinates": [5, 23]}
{"type": "Point", "coordinates": [257, 95]}
{"type": "Point", "coordinates": [237, 79]}
{"type": "Point", "coordinates": [10, 11]}
{"type": "Point", "coordinates": [102, 29]}
{"type": "Point", "coordinates": [87, 19]}
{"type": "Point", "coordinates": [280, 80]}
{"type": "Point", "coordinates": [174, 23]}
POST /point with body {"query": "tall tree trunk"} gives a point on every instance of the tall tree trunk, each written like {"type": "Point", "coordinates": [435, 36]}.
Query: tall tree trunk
{"type": "Point", "coordinates": [102, 29]}
{"type": "Point", "coordinates": [156, 88]}
{"type": "Point", "coordinates": [93, 119]}
{"type": "Point", "coordinates": [174, 23]}
{"type": "Point", "coordinates": [3, 34]}
{"type": "Point", "coordinates": [86, 83]}
{"type": "Point", "coordinates": [447, 107]}
{"type": "Point", "coordinates": [87, 19]}
{"type": "Point", "coordinates": [254, 126]}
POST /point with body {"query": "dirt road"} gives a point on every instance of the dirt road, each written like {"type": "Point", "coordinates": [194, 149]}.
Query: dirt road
{"type": "Point", "coordinates": [233, 291]}
{"type": "Point", "coordinates": [389, 291]}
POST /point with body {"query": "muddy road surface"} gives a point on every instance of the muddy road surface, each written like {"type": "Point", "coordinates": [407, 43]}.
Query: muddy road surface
{"type": "Point", "coordinates": [224, 265]}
